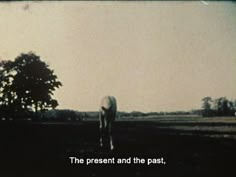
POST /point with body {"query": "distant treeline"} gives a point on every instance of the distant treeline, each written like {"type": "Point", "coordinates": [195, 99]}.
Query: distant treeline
{"type": "Point", "coordinates": [72, 115]}
{"type": "Point", "coordinates": [218, 107]}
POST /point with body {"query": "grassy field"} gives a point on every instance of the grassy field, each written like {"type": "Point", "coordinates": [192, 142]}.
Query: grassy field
{"type": "Point", "coordinates": [223, 127]}
{"type": "Point", "coordinates": [190, 146]}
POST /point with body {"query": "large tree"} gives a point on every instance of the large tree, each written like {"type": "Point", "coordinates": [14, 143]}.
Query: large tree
{"type": "Point", "coordinates": [224, 107]}
{"type": "Point", "coordinates": [27, 83]}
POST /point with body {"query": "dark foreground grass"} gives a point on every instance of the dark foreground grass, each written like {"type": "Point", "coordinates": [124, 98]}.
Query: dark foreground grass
{"type": "Point", "coordinates": [40, 150]}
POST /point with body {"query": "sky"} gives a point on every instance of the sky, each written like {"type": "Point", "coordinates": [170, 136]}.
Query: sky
{"type": "Point", "coordinates": [152, 56]}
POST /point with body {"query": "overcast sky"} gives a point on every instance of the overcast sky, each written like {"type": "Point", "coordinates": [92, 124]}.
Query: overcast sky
{"type": "Point", "coordinates": [152, 56]}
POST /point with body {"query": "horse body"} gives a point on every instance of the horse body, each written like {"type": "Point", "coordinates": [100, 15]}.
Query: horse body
{"type": "Point", "coordinates": [107, 114]}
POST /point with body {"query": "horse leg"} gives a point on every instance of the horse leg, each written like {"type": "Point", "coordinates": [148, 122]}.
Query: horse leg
{"type": "Point", "coordinates": [110, 136]}
{"type": "Point", "coordinates": [101, 128]}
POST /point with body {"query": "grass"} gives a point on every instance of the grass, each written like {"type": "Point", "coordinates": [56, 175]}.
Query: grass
{"type": "Point", "coordinates": [186, 143]}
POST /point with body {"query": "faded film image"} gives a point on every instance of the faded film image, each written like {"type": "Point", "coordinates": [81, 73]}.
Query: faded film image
{"type": "Point", "coordinates": [117, 88]}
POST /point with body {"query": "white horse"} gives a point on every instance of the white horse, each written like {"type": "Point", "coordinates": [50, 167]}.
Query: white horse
{"type": "Point", "coordinates": [107, 114]}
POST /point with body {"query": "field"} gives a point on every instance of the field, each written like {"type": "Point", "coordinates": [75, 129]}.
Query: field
{"type": "Point", "coordinates": [190, 146]}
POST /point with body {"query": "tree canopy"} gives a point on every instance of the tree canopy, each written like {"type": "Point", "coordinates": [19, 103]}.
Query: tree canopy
{"type": "Point", "coordinates": [27, 83]}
